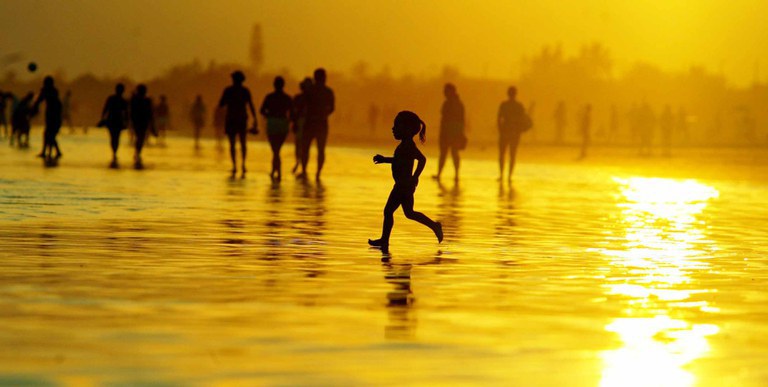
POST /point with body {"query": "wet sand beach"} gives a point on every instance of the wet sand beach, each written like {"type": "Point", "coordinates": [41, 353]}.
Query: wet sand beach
{"type": "Point", "coordinates": [616, 271]}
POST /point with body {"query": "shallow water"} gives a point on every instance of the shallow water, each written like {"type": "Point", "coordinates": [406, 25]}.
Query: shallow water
{"type": "Point", "coordinates": [612, 272]}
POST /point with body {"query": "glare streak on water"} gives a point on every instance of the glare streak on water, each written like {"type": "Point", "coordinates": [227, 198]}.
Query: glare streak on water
{"type": "Point", "coordinates": [582, 274]}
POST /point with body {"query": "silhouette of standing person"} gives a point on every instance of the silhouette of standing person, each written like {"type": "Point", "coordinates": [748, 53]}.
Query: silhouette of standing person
{"type": "Point", "coordinates": [162, 120]}
{"type": "Point", "coordinates": [3, 110]}
{"type": "Point", "coordinates": [407, 125]}
{"type": "Point", "coordinates": [236, 98]}
{"type": "Point", "coordinates": [53, 113]}
{"type": "Point", "coordinates": [276, 108]}
{"type": "Point", "coordinates": [299, 118]}
{"type": "Point", "coordinates": [586, 123]}
{"type": "Point", "coordinates": [115, 118]}
{"type": "Point", "coordinates": [20, 121]}
{"type": "Point", "coordinates": [560, 121]}
{"type": "Point", "coordinates": [197, 117]}
{"type": "Point", "coordinates": [452, 135]}
{"type": "Point", "coordinates": [141, 120]}
{"type": "Point", "coordinates": [512, 122]}
{"type": "Point", "coordinates": [320, 104]}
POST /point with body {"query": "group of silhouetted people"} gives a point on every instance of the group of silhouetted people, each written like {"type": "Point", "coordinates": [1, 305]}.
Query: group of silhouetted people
{"type": "Point", "coordinates": [306, 113]}
{"type": "Point", "coordinates": [512, 121]}
{"type": "Point", "coordinates": [24, 109]}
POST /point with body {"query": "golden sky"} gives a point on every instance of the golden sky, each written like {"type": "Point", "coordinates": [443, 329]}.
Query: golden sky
{"type": "Point", "coordinates": [141, 38]}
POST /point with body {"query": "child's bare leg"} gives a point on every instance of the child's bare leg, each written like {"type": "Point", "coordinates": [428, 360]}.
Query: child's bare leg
{"type": "Point", "coordinates": [389, 220]}
{"type": "Point", "coordinates": [436, 227]}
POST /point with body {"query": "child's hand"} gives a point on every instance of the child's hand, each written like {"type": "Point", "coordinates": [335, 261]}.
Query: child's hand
{"type": "Point", "coordinates": [378, 159]}
{"type": "Point", "coordinates": [415, 181]}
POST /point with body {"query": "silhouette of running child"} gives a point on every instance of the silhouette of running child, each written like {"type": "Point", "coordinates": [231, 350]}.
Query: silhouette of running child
{"type": "Point", "coordinates": [407, 125]}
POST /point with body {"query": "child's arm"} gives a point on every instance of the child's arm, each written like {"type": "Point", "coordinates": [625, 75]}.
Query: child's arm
{"type": "Point", "coordinates": [379, 159]}
{"type": "Point", "coordinates": [422, 161]}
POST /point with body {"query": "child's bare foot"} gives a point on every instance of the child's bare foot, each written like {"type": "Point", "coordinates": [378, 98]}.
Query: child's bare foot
{"type": "Point", "coordinates": [439, 232]}
{"type": "Point", "coordinates": [383, 245]}
{"type": "Point", "coordinates": [375, 242]}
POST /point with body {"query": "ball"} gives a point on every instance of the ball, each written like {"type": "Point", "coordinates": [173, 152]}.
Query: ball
{"type": "Point", "coordinates": [32, 66]}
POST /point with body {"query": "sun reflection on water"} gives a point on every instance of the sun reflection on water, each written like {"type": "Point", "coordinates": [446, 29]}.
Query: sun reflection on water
{"type": "Point", "coordinates": [664, 246]}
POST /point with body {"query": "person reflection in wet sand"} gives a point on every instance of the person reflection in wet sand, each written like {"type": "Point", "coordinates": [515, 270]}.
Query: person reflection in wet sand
{"type": "Point", "coordinates": [141, 120]}
{"type": "Point", "coordinates": [451, 130]}
{"type": "Point", "coordinates": [450, 207]}
{"type": "Point", "coordinates": [53, 114]}
{"type": "Point", "coordinates": [299, 117]}
{"type": "Point", "coordinates": [320, 104]}
{"type": "Point", "coordinates": [197, 118]}
{"type": "Point", "coordinates": [236, 98]}
{"type": "Point", "coordinates": [512, 122]}
{"type": "Point", "coordinates": [115, 117]}
{"type": "Point", "coordinates": [276, 108]}
{"type": "Point", "coordinates": [407, 125]}
{"type": "Point", "coordinates": [399, 301]}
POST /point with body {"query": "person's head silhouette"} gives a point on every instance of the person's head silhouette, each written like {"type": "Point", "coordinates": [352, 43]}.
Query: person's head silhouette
{"type": "Point", "coordinates": [141, 90]}
{"type": "Point", "coordinates": [238, 77]}
{"type": "Point", "coordinates": [512, 92]}
{"type": "Point", "coordinates": [449, 90]}
{"type": "Point", "coordinates": [407, 125]}
{"type": "Point", "coordinates": [48, 82]}
{"type": "Point", "coordinates": [279, 83]}
{"type": "Point", "coordinates": [306, 84]}
{"type": "Point", "coordinates": [119, 89]}
{"type": "Point", "coordinates": [320, 77]}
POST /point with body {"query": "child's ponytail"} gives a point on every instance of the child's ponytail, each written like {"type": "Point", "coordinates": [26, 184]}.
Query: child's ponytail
{"type": "Point", "coordinates": [422, 131]}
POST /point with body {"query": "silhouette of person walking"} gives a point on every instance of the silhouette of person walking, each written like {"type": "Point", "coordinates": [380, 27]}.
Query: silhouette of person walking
{"type": "Point", "coordinates": [20, 121]}
{"type": "Point", "coordinates": [320, 104]}
{"type": "Point", "coordinates": [407, 125]}
{"type": "Point", "coordinates": [115, 117]}
{"type": "Point", "coordinates": [197, 117]}
{"type": "Point", "coordinates": [512, 121]}
{"type": "Point", "coordinates": [452, 135]}
{"type": "Point", "coordinates": [53, 113]}
{"type": "Point", "coordinates": [141, 120]}
{"type": "Point", "coordinates": [3, 110]}
{"type": "Point", "coordinates": [586, 123]}
{"type": "Point", "coordinates": [299, 118]}
{"type": "Point", "coordinates": [236, 98]}
{"type": "Point", "coordinates": [276, 108]}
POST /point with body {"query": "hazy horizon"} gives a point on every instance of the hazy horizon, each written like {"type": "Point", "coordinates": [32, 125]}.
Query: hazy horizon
{"type": "Point", "coordinates": [488, 39]}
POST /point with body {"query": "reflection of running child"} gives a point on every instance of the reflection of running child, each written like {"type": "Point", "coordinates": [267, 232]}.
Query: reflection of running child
{"type": "Point", "coordinates": [407, 125]}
